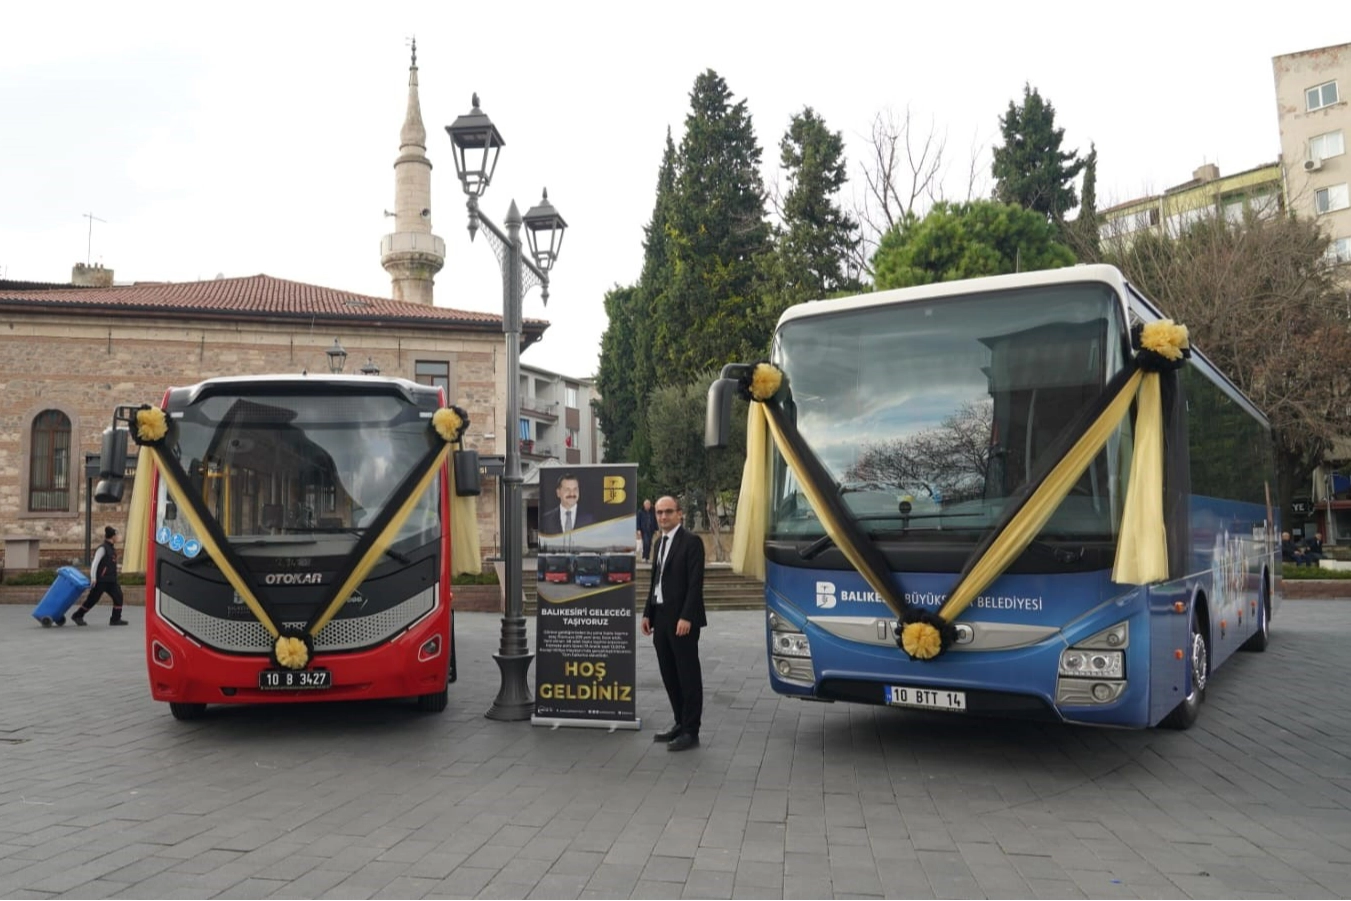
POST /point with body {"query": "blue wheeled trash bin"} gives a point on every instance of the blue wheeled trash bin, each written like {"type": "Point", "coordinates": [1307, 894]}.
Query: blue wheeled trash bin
{"type": "Point", "coordinates": [65, 591]}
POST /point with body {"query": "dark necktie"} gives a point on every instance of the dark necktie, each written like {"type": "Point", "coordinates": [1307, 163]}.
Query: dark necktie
{"type": "Point", "coordinates": [661, 564]}
{"type": "Point", "coordinates": [567, 521]}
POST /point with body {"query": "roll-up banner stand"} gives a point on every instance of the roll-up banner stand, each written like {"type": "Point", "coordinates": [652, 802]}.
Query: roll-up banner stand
{"type": "Point", "coordinates": [585, 629]}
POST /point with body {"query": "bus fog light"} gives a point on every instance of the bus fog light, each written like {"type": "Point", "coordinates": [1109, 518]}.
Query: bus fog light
{"type": "Point", "coordinates": [790, 644]}
{"type": "Point", "coordinates": [783, 666]}
{"type": "Point", "coordinates": [163, 656]}
{"type": "Point", "coordinates": [1092, 664]}
{"type": "Point", "coordinates": [430, 648]}
{"type": "Point", "coordinates": [1102, 691]}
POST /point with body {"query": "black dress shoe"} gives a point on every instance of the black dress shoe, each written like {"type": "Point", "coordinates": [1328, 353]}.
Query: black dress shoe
{"type": "Point", "coordinates": [668, 734]}
{"type": "Point", "coordinates": [683, 742]}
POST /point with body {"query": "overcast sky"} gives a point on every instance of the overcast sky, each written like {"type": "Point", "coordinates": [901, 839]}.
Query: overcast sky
{"type": "Point", "coordinates": [251, 138]}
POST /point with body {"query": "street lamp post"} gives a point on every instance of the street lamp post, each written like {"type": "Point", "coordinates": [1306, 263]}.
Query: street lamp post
{"type": "Point", "coordinates": [476, 143]}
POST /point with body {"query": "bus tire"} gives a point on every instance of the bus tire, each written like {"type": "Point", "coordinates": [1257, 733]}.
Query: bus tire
{"type": "Point", "coordinates": [187, 711]}
{"type": "Point", "coordinates": [1259, 640]}
{"type": "Point", "coordinates": [1185, 714]}
{"type": "Point", "coordinates": [434, 702]}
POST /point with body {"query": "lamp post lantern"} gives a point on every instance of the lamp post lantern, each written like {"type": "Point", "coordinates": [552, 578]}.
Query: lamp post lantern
{"type": "Point", "coordinates": [336, 357]}
{"type": "Point", "coordinates": [476, 143]}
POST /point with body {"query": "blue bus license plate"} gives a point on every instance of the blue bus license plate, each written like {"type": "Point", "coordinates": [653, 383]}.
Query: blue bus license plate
{"type": "Point", "coordinates": [289, 680]}
{"type": "Point", "coordinates": [927, 698]}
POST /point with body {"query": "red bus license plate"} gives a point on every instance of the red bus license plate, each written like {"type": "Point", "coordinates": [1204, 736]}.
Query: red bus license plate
{"type": "Point", "coordinates": [289, 680]}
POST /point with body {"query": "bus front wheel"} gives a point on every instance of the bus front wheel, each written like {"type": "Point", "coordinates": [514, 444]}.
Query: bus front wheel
{"type": "Point", "coordinates": [186, 711]}
{"type": "Point", "coordinates": [434, 702]}
{"type": "Point", "coordinates": [1184, 715]}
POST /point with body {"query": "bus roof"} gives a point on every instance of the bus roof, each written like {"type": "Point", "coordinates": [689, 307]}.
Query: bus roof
{"type": "Point", "coordinates": [1108, 275]}
{"type": "Point", "coordinates": [305, 382]}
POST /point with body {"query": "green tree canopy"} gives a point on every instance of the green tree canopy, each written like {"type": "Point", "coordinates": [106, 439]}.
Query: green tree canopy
{"type": "Point", "coordinates": [620, 406]}
{"type": "Point", "coordinates": [818, 239]}
{"type": "Point", "coordinates": [681, 465]}
{"type": "Point", "coordinates": [1030, 169]}
{"type": "Point", "coordinates": [716, 230]}
{"type": "Point", "coordinates": [967, 240]}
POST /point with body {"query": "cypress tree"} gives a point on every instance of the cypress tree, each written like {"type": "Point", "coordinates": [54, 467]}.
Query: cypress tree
{"type": "Point", "coordinates": [818, 238]}
{"type": "Point", "coordinates": [716, 231]}
{"type": "Point", "coordinates": [1031, 170]}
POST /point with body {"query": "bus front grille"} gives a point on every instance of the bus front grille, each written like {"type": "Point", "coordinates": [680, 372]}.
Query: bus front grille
{"type": "Point", "coordinates": [249, 636]}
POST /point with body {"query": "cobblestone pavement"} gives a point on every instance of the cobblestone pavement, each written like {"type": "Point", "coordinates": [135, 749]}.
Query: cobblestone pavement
{"type": "Point", "coordinates": [103, 794]}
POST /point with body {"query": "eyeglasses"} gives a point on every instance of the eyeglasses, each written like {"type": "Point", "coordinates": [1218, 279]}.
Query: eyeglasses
{"type": "Point", "coordinates": [668, 511]}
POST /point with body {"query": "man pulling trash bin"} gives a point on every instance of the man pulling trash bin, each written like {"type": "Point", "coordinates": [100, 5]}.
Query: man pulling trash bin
{"type": "Point", "coordinates": [103, 573]}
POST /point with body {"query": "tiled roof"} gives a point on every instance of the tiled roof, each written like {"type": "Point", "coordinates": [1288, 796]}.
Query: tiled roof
{"type": "Point", "coordinates": [255, 295]}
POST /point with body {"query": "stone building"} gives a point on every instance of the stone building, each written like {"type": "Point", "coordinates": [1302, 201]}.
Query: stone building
{"type": "Point", "coordinates": [69, 354]}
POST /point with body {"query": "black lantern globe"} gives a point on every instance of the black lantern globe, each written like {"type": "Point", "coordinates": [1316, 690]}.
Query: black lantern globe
{"type": "Point", "coordinates": [337, 357]}
{"type": "Point", "coordinates": [544, 229]}
{"type": "Point", "coordinates": [476, 142]}
{"type": "Point", "coordinates": [370, 368]}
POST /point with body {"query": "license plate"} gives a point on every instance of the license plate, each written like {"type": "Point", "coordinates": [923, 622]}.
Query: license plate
{"type": "Point", "coordinates": [927, 698]}
{"type": "Point", "coordinates": [289, 679]}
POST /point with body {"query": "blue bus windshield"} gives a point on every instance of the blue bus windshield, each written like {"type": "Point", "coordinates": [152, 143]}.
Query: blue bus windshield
{"type": "Point", "coordinates": [930, 414]}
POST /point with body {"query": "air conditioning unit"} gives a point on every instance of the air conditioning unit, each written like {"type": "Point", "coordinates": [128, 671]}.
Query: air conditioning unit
{"type": "Point", "coordinates": [1313, 165]}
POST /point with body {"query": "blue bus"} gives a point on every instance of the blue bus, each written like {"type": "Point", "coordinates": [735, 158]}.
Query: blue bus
{"type": "Point", "coordinates": [928, 410]}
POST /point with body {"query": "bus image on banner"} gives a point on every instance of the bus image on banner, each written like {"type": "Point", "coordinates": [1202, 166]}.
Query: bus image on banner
{"type": "Point", "coordinates": [588, 569]}
{"type": "Point", "coordinates": [927, 412]}
{"type": "Point", "coordinates": [619, 568]}
{"type": "Point", "coordinates": [553, 568]}
{"type": "Point", "coordinates": [296, 539]}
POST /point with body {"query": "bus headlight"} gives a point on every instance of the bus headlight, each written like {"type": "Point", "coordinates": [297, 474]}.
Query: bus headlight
{"type": "Point", "coordinates": [789, 651]}
{"type": "Point", "coordinates": [790, 644]}
{"type": "Point", "coordinates": [1092, 664]}
{"type": "Point", "coordinates": [1093, 671]}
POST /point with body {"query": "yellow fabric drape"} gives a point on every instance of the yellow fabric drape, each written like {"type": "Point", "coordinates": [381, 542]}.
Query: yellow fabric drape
{"type": "Point", "coordinates": [209, 544]}
{"type": "Point", "coordinates": [138, 513]}
{"type": "Point", "coordinates": [1043, 502]}
{"type": "Point", "coordinates": [464, 547]}
{"type": "Point", "coordinates": [748, 535]}
{"type": "Point", "coordinates": [1142, 546]}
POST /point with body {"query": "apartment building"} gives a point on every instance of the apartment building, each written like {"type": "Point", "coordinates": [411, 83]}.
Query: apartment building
{"type": "Point", "coordinates": [1314, 119]}
{"type": "Point", "coordinates": [1256, 191]}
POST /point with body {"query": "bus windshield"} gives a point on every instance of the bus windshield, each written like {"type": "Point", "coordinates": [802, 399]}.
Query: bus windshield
{"type": "Point", "coordinates": [930, 414]}
{"type": "Point", "coordinates": [277, 469]}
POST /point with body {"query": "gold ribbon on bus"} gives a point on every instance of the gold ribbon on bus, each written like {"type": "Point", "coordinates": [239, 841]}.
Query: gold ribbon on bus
{"type": "Point", "coordinates": [295, 650]}
{"type": "Point", "coordinates": [1141, 556]}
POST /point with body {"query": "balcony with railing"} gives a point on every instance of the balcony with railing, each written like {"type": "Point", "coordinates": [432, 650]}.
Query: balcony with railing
{"type": "Point", "coordinates": [538, 450]}
{"type": "Point", "coordinates": [539, 409]}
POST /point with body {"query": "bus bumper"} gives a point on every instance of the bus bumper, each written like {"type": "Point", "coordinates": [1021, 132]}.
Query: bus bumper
{"type": "Point", "coordinates": [1020, 682]}
{"type": "Point", "coordinates": [416, 662]}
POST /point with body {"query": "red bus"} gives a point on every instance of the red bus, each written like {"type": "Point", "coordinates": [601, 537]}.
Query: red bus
{"type": "Point", "coordinates": [619, 568]}
{"type": "Point", "coordinates": [296, 540]}
{"type": "Point", "coordinates": [554, 568]}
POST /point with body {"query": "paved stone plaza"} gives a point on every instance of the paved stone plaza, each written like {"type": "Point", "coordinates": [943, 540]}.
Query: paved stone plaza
{"type": "Point", "coordinates": [104, 794]}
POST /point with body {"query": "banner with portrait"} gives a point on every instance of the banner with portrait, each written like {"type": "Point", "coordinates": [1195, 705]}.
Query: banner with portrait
{"type": "Point", "coordinates": [585, 637]}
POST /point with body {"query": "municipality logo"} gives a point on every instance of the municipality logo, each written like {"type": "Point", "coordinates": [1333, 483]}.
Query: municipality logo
{"type": "Point", "coordinates": [612, 490]}
{"type": "Point", "coordinates": [825, 595]}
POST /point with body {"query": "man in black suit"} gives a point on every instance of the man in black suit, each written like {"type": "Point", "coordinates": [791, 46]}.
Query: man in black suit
{"type": "Point", "coordinates": [673, 616]}
{"type": "Point", "coordinates": [568, 515]}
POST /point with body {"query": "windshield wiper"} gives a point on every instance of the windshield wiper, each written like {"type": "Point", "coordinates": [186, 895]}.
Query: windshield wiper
{"type": "Point", "coordinates": [815, 547]}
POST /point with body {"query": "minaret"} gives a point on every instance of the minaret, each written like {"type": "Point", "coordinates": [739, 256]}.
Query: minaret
{"type": "Point", "coordinates": [412, 255]}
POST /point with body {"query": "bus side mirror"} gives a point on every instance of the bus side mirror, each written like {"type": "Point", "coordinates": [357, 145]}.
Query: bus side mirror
{"type": "Point", "coordinates": [112, 466]}
{"type": "Point", "coordinates": [466, 471]}
{"type": "Point", "coordinates": [718, 415]}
